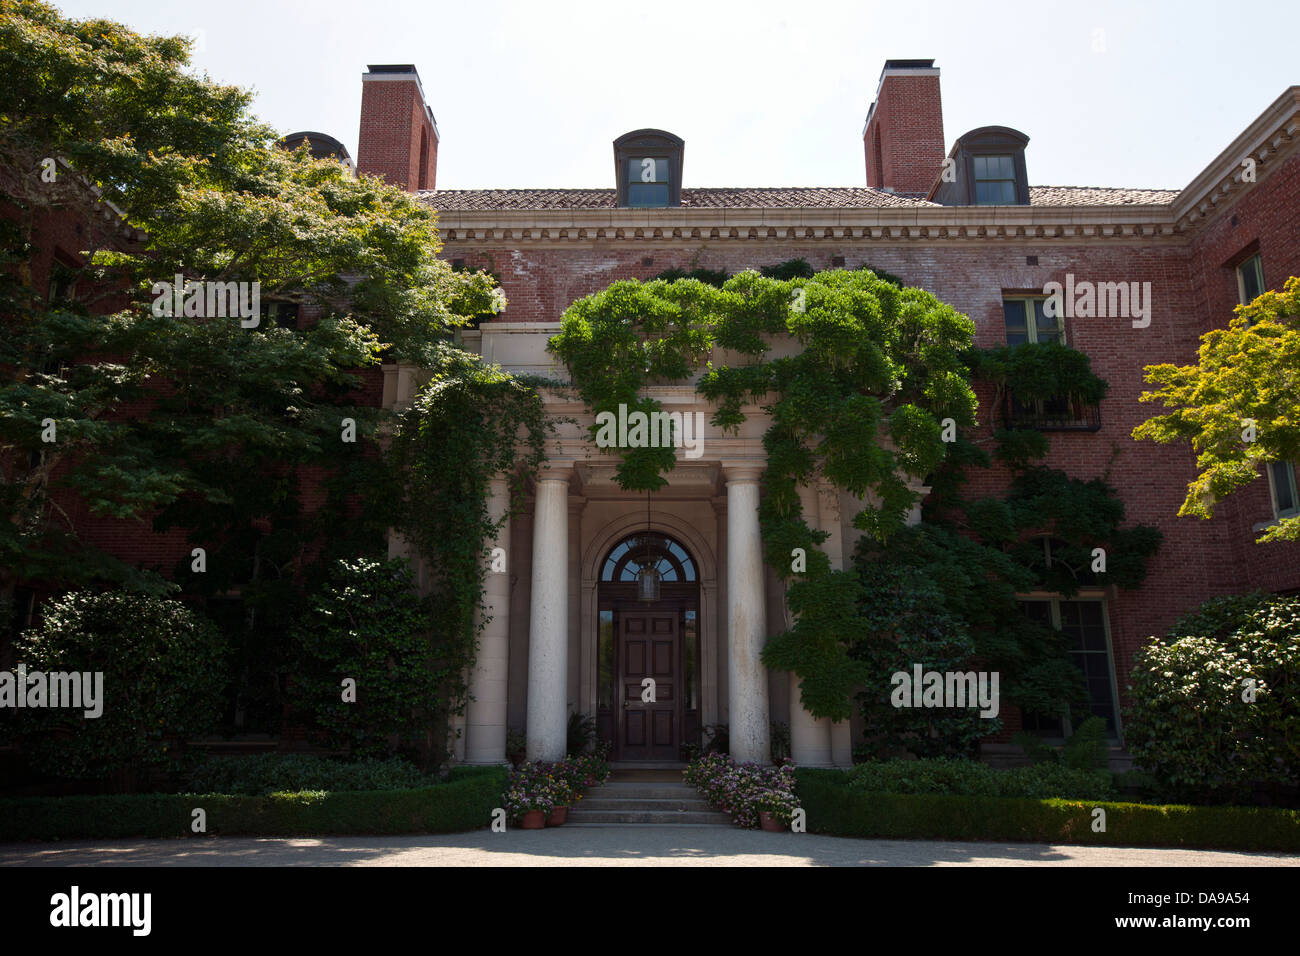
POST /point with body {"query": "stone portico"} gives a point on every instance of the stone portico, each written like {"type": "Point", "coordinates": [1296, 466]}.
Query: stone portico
{"type": "Point", "coordinates": [559, 637]}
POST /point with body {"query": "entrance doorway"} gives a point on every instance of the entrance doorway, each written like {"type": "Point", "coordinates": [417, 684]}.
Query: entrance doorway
{"type": "Point", "coordinates": [649, 652]}
{"type": "Point", "coordinates": [641, 641]}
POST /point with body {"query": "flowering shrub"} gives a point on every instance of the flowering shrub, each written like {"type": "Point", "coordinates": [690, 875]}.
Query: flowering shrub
{"type": "Point", "coordinates": [742, 790]}
{"type": "Point", "coordinates": [545, 786]}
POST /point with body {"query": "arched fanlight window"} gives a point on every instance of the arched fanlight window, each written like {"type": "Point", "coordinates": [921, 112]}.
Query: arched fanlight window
{"type": "Point", "coordinates": [648, 551]}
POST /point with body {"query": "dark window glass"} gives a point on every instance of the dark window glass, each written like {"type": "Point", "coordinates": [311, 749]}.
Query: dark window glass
{"type": "Point", "coordinates": [1083, 625]}
{"type": "Point", "coordinates": [647, 169]}
{"type": "Point", "coordinates": [1283, 486]}
{"type": "Point", "coordinates": [1084, 628]}
{"type": "Point", "coordinates": [1252, 278]}
{"type": "Point", "coordinates": [647, 194]}
{"type": "Point", "coordinates": [995, 180]}
{"type": "Point", "coordinates": [647, 181]}
{"type": "Point", "coordinates": [1013, 314]}
{"type": "Point", "coordinates": [1048, 327]}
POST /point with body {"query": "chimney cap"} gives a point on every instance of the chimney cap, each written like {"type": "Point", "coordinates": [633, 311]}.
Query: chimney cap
{"type": "Point", "coordinates": [392, 68]}
{"type": "Point", "coordinates": [907, 65]}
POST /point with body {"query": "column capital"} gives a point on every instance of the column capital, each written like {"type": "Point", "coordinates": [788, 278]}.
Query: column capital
{"type": "Point", "coordinates": [742, 471]}
{"type": "Point", "coordinates": [555, 469]}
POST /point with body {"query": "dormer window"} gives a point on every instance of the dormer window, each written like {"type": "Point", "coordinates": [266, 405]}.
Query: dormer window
{"type": "Point", "coordinates": [647, 181]}
{"type": "Point", "coordinates": [985, 168]}
{"type": "Point", "coordinates": [648, 164]}
{"type": "Point", "coordinates": [995, 180]}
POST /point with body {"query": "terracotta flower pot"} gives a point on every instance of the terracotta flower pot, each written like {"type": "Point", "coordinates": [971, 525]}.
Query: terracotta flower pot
{"type": "Point", "coordinates": [557, 817]}
{"type": "Point", "coordinates": [532, 820]}
{"type": "Point", "coordinates": [769, 823]}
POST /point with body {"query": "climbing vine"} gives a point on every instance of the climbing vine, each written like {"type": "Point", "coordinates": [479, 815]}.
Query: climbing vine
{"type": "Point", "coordinates": [863, 405]}
{"type": "Point", "coordinates": [470, 423]}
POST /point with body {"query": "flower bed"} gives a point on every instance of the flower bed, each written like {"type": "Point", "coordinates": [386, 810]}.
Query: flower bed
{"type": "Point", "coordinates": [548, 786]}
{"type": "Point", "coordinates": [744, 790]}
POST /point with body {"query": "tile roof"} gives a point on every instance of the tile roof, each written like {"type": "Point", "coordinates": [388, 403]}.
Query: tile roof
{"type": "Point", "coordinates": [797, 197]}
{"type": "Point", "coordinates": [1098, 196]}
{"type": "Point", "coordinates": [466, 200]}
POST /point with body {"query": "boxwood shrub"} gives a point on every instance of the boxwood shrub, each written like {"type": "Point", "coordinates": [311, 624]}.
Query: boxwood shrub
{"type": "Point", "coordinates": [465, 802]}
{"type": "Point", "coordinates": [972, 778]}
{"type": "Point", "coordinates": [835, 807]}
{"type": "Point", "coordinates": [260, 774]}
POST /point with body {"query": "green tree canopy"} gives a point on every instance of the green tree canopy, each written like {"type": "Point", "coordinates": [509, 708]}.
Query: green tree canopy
{"type": "Point", "coordinates": [198, 422]}
{"type": "Point", "coordinates": [1238, 406]}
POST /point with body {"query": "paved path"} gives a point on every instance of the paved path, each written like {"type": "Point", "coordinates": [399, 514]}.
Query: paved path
{"type": "Point", "coordinates": [614, 846]}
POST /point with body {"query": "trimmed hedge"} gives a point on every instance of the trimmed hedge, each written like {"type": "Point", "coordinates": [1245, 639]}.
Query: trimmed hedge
{"type": "Point", "coordinates": [262, 774]}
{"type": "Point", "coordinates": [970, 778]}
{"type": "Point", "coordinates": [836, 808]}
{"type": "Point", "coordinates": [465, 802]}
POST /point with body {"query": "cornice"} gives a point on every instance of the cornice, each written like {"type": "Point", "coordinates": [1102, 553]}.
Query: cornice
{"type": "Point", "coordinates": [1269, 140]}
{"type": "Point", "coordinates": [573, 227]}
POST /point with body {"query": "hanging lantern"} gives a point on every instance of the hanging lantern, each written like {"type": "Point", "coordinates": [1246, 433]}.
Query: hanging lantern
{"type": "Point", "coordinates": [647, 575]}
{"type": "Point", "coordinates": [647, 583]}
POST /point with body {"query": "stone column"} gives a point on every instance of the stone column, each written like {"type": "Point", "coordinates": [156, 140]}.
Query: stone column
{"type": "Point", "coordinates": [746, 620]}
{"type": "Point", "coordinates": [548, 624]}
{"type": "Point", "coordinates": [810, 737]}
{"type": "Point", "coordinates": [830, 517]}
{"type": "Point", "coordinates": [485, 715]}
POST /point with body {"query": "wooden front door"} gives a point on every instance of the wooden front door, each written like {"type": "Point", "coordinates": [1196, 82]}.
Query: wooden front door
{"type": "Point", "coordinates": [649, 645]}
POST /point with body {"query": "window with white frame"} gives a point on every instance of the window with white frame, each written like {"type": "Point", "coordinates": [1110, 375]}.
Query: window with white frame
{"type": "Point", "coordinates": [1250, 279]}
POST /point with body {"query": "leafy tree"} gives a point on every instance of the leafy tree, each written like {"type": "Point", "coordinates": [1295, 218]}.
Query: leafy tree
{"type": "Point", "coordinates": [163, 672]}
{"type": "Point", "coordinates": [1238, 406]}
{"type": "Point", "coordinates": [211, 424]}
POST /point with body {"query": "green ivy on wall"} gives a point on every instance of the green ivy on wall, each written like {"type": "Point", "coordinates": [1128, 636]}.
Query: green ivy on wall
{"type": "Point", "coordinates": [862, 405]}
{"type": "Point", "coordinates": [471, 423]}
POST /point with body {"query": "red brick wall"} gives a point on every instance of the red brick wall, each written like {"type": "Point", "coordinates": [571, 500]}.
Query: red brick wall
{"type": "Point", "coordinates": [908, 118]}
{"type": "Point", "coordinates": [393, 122]}
{"type": "Point", "coordinates": [1198, 559]}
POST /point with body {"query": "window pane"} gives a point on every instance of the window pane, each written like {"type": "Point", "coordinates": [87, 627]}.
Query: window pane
{"type": "Point", "coordinates": [981, 167]}
{"type": "Point", "coordinates": [641, 166]}
{"type": "Point", "coordinates": [1013, 316]}
{"type": "Point", "coordinates": [1283, 479]}
{"type": "Point", "coordinates": [1084, 627]}
{"type": "Point", "coordinates": [1006, 193]}
{"type": "Point", "coordinates": [647, 194]}
{"type": "Point", "coordinates": [1006, 168]}
{"type": "Point", "coordinates": [1047, 326]}
{"type": "Point", "coordinates": [1252, 278]}
{"type": "Point", "coordinates": [984, 194]}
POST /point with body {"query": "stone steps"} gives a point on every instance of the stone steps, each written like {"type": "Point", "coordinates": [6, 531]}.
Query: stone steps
{"type": "Point", "coordinates": [630, 803]}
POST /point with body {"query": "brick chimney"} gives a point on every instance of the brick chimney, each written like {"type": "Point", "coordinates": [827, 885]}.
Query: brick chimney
{"type": "Point", "coordinates": [903, 136]}
{"type": "Point", "coordinates": [399, 137]}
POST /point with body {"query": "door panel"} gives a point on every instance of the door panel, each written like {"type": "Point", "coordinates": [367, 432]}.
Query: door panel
{"type": "Point", "coordinates": [649, 645]}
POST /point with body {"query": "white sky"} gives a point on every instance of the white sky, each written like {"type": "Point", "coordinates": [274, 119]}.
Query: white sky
{"type": "Point", "coordinates": [764, 93]}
